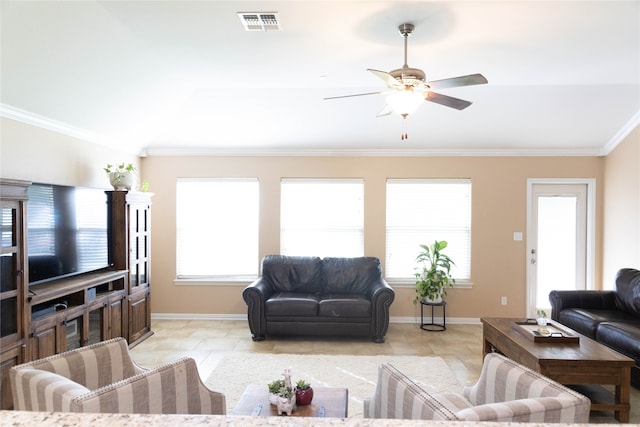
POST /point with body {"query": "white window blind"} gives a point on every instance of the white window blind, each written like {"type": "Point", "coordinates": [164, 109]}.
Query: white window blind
{"type": "Point", "coordinates": [322, 217]}
{"type": "Point", "coordinates": [420, 211]}
{"type": "Point", "coordinates": [217, 227]}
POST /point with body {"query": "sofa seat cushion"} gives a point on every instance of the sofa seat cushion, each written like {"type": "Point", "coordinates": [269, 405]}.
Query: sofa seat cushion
{"type": "Point", "coordinates": [344, 305]}
{"type": "Point", "coordinates": [586, 321]}
{"type": "Point", "coordinates": [622, 337]}
{"type": "Point", "coordinates": [291, 304]}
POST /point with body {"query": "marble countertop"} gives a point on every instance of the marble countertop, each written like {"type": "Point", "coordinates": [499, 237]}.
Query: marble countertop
{"type": "Point", "coordinates": [51, 419]}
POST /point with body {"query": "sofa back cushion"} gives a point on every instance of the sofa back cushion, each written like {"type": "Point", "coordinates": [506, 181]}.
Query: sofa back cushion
{"type": "Point", "coordinates": [350, 275]}
{"type": "Point", "coordinates": [292, 273]}
{"type": "Point", "coordinates": [628, 291]}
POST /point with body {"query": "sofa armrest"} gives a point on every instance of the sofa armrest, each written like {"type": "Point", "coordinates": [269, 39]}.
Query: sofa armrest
{"type": "Point", "coordinates": [532, 410]}
{"type": "Point", "coordinates": [173, 388]}
{"type": "Point", "coordinates": [594, 300]}
{"type": "Point", "coordinates": [381, 295]}
{"type": "Point", "coordinates": [255, 296]}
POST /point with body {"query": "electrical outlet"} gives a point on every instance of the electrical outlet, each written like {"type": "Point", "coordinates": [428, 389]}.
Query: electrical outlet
{"type": "Point", "coordinates": [503, 300]}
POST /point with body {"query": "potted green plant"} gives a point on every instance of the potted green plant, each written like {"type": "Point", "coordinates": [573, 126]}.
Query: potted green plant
{"type": "Point", "coordinates": [286, 400]}
{"type": "Point", "coordinates": [304, 393]}
{"type": "Point", "coordinates": [434, 273]}
{"type": "Point", "coordinates": [274, 390]}
{"type": "Point", "coordinates": [122, 177]}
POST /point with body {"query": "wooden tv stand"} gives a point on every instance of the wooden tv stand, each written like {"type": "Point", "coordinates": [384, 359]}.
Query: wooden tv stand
{"type": "Point", "coordinates": [73, 312]}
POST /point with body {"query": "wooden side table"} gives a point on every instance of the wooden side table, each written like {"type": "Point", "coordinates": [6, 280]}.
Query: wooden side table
{"type": "Point", "coordinates": [432, 326]}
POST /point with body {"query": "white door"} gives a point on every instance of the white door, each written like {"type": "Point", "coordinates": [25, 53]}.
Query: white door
{"type": "Point", "coordinates": [559, 239]}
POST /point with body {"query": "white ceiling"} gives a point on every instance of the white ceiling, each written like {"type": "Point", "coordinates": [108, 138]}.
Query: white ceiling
{"type": "Point", "coordinates": [184, 76]}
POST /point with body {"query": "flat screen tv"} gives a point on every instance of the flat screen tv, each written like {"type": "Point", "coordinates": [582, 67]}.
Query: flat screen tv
{"type": "Point", "coordinates": [66, 231]}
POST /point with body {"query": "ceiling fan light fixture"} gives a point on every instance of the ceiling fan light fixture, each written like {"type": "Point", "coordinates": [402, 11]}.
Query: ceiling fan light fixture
{"type": "Point", "coordinates": [405, 102]}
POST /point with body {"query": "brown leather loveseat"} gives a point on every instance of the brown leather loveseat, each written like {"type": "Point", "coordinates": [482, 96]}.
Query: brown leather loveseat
{"type": "Point", "coordinates": [312, 296]}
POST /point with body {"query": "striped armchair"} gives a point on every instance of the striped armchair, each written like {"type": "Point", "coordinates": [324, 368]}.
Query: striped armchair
{"type": "Point", "coordinates": [505, 392]}
{"type": "Point", "coordinates": [103, 378]}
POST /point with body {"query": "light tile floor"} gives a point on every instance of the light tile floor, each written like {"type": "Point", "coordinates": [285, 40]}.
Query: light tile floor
{"type": "Point", "coordinates": [207, 341]}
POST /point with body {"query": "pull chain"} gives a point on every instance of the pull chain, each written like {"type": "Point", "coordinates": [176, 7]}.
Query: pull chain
{"type": "Point", "coordinates": [404, 135]}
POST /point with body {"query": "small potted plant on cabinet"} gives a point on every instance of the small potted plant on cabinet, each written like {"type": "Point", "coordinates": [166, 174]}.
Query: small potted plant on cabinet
{"type": "Point", "coordinates": [433, 275]}
{"type": "Point", "coordinates": [122, 177]}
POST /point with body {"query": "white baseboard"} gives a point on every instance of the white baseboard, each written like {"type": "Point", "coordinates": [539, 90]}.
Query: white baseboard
{"type": "Point", "coordinates": [211, 316]}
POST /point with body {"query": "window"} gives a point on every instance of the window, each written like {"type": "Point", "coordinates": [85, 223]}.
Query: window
{"type": "Point", "coordinates": [420, 211]}
{"type": "Point", "coordinates": [217, 228]}
{"type": "Point", "coordinates": [322, 217]}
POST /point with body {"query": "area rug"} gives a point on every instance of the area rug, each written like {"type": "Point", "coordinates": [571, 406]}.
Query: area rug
{"type": "Point", "coordinates": [357, 373]}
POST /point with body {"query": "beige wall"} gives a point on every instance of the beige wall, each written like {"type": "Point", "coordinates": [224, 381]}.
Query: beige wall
{"type": "Point", "coordinates": [498, 209]}
{"type": "Point", "coordinates": [39, 155]}
{"type": "Point", "coordinates": [621, 225]}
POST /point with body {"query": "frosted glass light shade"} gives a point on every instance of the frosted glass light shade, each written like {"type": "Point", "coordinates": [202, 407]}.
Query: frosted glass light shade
{"type": "Point", "coordinates": [405, 102]}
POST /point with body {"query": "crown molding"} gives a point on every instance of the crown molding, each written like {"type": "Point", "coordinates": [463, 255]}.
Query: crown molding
{"type": "Point", "coordinates": [42, 122]}
{"type": "Point", "coordinates": [27, 117]}
{"type": "Point", "coordinates": [621, 134]}
{"type": "Point", "coordinates": [253, 152]}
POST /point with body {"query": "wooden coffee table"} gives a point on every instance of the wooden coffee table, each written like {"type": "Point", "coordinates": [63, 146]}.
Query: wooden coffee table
{"type": "Point", "coordinates": [575, 364]}
{"type": "Point", "coordinates": [327, 402]}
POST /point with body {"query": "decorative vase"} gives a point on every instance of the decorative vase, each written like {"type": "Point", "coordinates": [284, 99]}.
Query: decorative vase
{"type": "Point", "coordinates": [542, 325]}
{"type": "Point", "coordinates": [122, 181]}
{"type": "Point", "coordinates": [304, 396]}
{"type": "Point", "coordinates": [285, 405]}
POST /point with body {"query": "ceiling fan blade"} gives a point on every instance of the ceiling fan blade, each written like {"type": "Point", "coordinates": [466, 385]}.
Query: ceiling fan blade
{"type": "Point", "coordinates": [388, 79]}
{"type": "Point", "coordinates": [350, 96]}
{"type": "Point", "coordinates": [448, 101]}
{"type": "Point", "coordinates": [471, 79]}
{"type": "Point", "coordinates": [385, 111]}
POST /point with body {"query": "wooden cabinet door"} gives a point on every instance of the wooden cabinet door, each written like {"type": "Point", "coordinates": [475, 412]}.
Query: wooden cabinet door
{"type": "Point", "coordinates": [10, 358]}
{"type": "Point", "coordinates": [117, 317]}
{"type": "Point", "coordinates": [139, 316]}
{"type": "Point", "coordinates": [47, 337]}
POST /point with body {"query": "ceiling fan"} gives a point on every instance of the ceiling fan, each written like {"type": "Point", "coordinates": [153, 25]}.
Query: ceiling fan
{"type": "Point", "coordinates": [408, 87]}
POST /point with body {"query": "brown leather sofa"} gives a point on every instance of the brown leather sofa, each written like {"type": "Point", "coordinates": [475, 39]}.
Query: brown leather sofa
{"type": "Point", "coordinates": [610, 317]}
{"type": "Point", "coordinates": [312, 296]}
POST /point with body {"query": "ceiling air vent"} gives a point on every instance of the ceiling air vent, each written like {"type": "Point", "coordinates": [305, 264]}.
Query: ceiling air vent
{"type": "Point", "coordinates": [260, 21]}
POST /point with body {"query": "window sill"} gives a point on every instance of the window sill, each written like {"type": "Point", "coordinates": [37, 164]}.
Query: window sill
{"type": "Point", "coordinates": [215, 281]}
{"type": "Point", "coordinates": [411, 283]}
